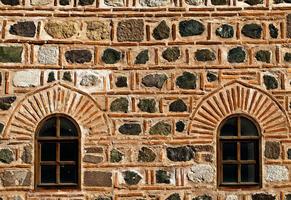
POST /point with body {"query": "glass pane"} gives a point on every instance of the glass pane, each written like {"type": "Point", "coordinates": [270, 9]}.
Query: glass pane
{"type": "Point", "coordinates": [68, 127]}
{"type": "Point", "coordinates": [69, 151]}
{"type": "Point", "coordinates": [229, 151]}
{"type": "Point", "coordinates": [249, 173]}
{"type": "Point", "coordinates": [48, 174]}
{"type": "Point", "coordinates": [229, 128]}
{"type": "Point", "coordinates": [229, 173]}
{"type": "Point", "coordinates": [248, 150]}
{"type": "Point", "coordinates": [248, 128]}
{"type": "Point", "coordinates": [48, 151]}
{"type": "Point", "coordinates": [68, 174]}
{"type": "Point", "coordinates": [48, 128]}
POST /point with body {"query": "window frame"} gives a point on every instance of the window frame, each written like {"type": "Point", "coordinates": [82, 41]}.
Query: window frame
{"type": "Point", "coordinates": [56, 139]}
{"type": "Point", "coordinates": [219, 153]}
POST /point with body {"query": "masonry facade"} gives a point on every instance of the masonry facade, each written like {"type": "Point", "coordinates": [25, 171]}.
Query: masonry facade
{"type": "Point", "coordinates": [148, 86]}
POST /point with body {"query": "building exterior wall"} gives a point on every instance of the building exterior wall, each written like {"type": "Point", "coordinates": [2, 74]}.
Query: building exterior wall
{"type": "Point", "coordinates": [149, 83]}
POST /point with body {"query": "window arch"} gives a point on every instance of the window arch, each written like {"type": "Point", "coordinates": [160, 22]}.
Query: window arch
{"type": "Point", "coordinates": [58, 153]}
{"type": "Point", "coordinates": [239, 160]}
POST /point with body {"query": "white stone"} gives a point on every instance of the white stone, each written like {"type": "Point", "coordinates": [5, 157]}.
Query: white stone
{"type": "Point", "coordinates": [48, 55]}
{"type": "Point", "coordinates": [93, 80]}
{"type": "Point", "coordinates": [276, 173]}
{"type": "Point", "coordinates": [114, 3]}
{"type": "Point", "coordinates": [29, 78]}
{"type": "Point", "coordinates": [154, 3]}
{"type": "Point", "coordinates": [40, 2]}
{"type": "Point", "coordinates": [231, 197]}
{"type": "Point", "coordinates": [201, 173]}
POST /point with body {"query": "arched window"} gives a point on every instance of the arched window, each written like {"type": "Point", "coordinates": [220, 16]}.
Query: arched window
{"type": "Point", "coordinates": [57, 153]}
{"type": "Point", "coordinates": [239, 152]}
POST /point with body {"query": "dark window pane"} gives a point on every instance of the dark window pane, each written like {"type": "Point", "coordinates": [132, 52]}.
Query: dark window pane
{"type": "Point", "coordinates": [48, 128]}
{"type": "Point", "coordinates": [248, 128]}
{"type": "Point", "coordinates": [249, 173]}
{"type": "Point", "coordinates": [68, 151]}
{"type": "Point", "coordinates": [229, 151]}
{"type": "Point", "coordinates": [229, 128]}
{"type": "Point", "coordinates": [68, 174]}
{"type": "Point", "coordinates": [48, 151]}
{"type": "Point", "coordinates": [68, 128]}
{"type": "Point", "coordinates": [248, 150]}
{"type": "Point", "coordinates": [48, 174]}
{"type": "Point", "coordinates": [229, 173]}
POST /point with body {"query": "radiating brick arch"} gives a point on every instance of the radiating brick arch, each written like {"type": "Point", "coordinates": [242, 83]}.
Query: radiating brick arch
{"type": "Point", "coordinates": [238, 97]}
{"type": "Point", "coordinates": [55, 98]}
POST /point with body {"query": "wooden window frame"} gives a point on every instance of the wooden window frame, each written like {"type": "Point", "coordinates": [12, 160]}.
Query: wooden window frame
{"type": "Point", "coordinates": [57, 140]}
{"type": "Point", "coordinates": [238, 139]}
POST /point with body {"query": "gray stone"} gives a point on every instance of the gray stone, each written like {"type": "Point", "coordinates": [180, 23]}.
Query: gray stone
{"type": "Point", "coordinates": [89, 79]}
{"type": "Point", "coordinates": [11, 2]}
{"type": "Point", "coordinates": [114, 3]}
{"type": "Point", "coordinates": [98, 179]}
{"type": "Point", "coordinates": [191, 28]}
{"type": "Point", "coordinates": [6, 156]}
{"type": "Point", "coordinates": [1, 128]}
{"type": "Point", "coordinates": [163, 176]}
{"type": "Point", "coordinates": [51, 77]}
{"type": "Point", "coordinates": [174, 196]}
{"type": "Point", "coordinates": [254, 2]}
{"type": "Point", "coordinates": [180, 126]}
{"type": "Point", "coordinates": [262, 196]}
{"type": "Point", "coordinates": [289, 154]}
{"type": "Point", "coordinates": [79, 56]}
{"type": "Point", "coordinates": [211, 76]}
{"type": "Point", "coordinates": [121, 81]}
{"type": "Point", "coordinates": [111, 56]}
{"type": "Point", "coordinates": [195, 2]}
{"type": "Point", "coordinates": [65, 2]}
{"type": "Point", "coordinates": [5, 102]}
{"type": "Point", "coordinates": [272, 150]}
{"type": "Point", "coordinates": [29, 78]}
{"type": "Point", "coordinates": [275, 173]}
{"type": "Point", "coordinates": [178, 106]}
{"type": "Point", "coordinates": [119, 105]}
{"type": "Point", "coordinates": [103, 198]}
{"type": "Point", "coordinates": [270, 82]}
{"type": "Point", "coordinates": [186, 81]}
{"type": "Point", "coordinates": [225, 31]}
{"type": "Point", "coordinates": [131, 177]}
{"type": "Point", "coordinates": [204, 55]}
{"type": "Point", "coordinates": [27, 154]}
{"type": "Point", "coordinates": [288, 24]}
{"type": "Point", "coordinates": [161, 128]}
{"type": "Point", "coordinates": [16, 178]}
{"type": "Point", "coordinates": [236, 55]}
{"type": "Point", "coordinates": [147, 105]}
{"type": "Point", "coordinates": [116, 156]}
{"type": "Point", "coordinates": [231, 197]}
{"type": "Point", "coordinates": [48, 55]}
{"type": "Point", "coordinates": [11, 54]}
{"type": "Point", "coordinates": [287, 57]}
{"type": "Point", "coordinates": [219, 2]}
{"type": "Point", "coordinates": [203, 197]}
{"type": "Point", "coordinates": [146, 155]}
{"type": "Point", "coordinates": [154, 80]}
{"type": "Point", "coordinates": [287, 197]}
{"type": "Point", "coordinates": [86, 2]}
{"type": "Point", "coordinates": [24, 29]}
{"type": "Point", "coordinates": [92, 159]}
{"type": "Point", "coordinates": [40, 2]}
{"type": "Point", "coordinates": [67, 76]}
{"type": "Point", "coordinates": [201, 173]}
{"type": "Point", "coordinates": [130, 129]}
{"type": "Point", "coordinates": [171, 54]}
{"type": "Point", "coordinates": [263, 56]}
{"type": "Point", "coordinates": [274, 32]}
{"type": "Point", "coordinates": [252, 30]}
{"type": "Point", "coordinates": [180, 154]}
{"type": "Point", "coordinates": [162, 31]}
{"type": "Point", "coordinates": [154, 3]}
{"type": "Point", "coordinates": [131, 30]}
{"type": "Point", "coordinates": [142, 57]}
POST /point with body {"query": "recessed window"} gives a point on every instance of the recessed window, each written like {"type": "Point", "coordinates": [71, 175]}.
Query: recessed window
{"type": "Point", "coordinates": [239, 152]}
{"type": "Point", "coordinates": [57, 155]}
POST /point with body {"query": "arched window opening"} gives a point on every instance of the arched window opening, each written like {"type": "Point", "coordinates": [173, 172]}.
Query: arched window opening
{"type": "Point", "coordinates": [57, 152]}
{"type": "Point", "coordinates": [239, 152]}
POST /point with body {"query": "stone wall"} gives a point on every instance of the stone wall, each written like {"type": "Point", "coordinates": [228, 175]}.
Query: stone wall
{"type": "Point", "coordinates": [148, 82]}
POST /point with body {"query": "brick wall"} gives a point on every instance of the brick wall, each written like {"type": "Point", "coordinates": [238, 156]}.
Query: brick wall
{"type": "Point", "coordinates": [148, 82]}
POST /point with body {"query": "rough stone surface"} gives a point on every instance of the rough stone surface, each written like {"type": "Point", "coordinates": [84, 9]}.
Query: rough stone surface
{"type": "Point", "coordinates": [114, 3]}
{"type": "Point", "coordinates": [179, 154]}
{"type": "Point", "coordinates": [287, 57]}
{"type": "Point", "coordinates": [92, 159]}
{"type": "Point", "coordinates": [78, 56]}
{"type": "Point", "coordinates": [29, 78]}
{"type": "Point", "coordinates": [40, 2]}
{"type": "Point", "coordinates": [97, 179]}
{"type": "Point", "coordinates": [161, 128]}
{"type": "Point", "coordinates": [131, 30]}
{"type": "Point", "coordinates": [147, 105]}
{"type": "Point", "coordinates": [60, 30]}
{"type": "Point", "coordinates": [162, 31]}
{"type": "Point", "coordinates": [154, 80]}
{"type": "Point", "coordinates": [86, 2]}
{"type": "Point", "coordinates": [174, 196]}
{"type": "Point", "coordinates": [142, 57]}
{"type": "Point", "coordinates": [5, 102]}
{"type": "Point", "coordinates": [16, 178]}
{"type": "Point", "coordinates": [203, 197]}
{"type": "Point", "coordinates": [272, 150]}
{"type": "Point", "coordinates": [201, 173]}
{"type": "Point", "coordinates": [186, 81]}
{"type": "Point", "coordinates": [116, 156]}
{"type": "Point", "coordinates": [11, 54]}
{"type": "Point", "coordinates": [205, 55]}
{"type": "Point", "coordinates": [48, 55]}
{"type": "Point", "coordinates": [11, 2]}
{"type": "Point", "coordinates": [119, 105]}
{"type": "Point", "coordinates": [163, 176]}
{"type": "Point", "coordinates": [131, 177]}
{"type": "Point", "coordinates": [236, 55]}
{"type": "Point", "coordinates": [289, 26]}
{"type": "Point", "coordinates": [65, 2]}
{"type": "Point", "coordinates": [288, 197]}
{"type": "Point", "coordinates": [274, 32]}
{"type": "Point", "coordinates": [103, 198]}
{"type": "Point", "coordinates": [289, 154]}
{"type": "Point", "coordinates": [225, 31]}
{"type": "Point", "coordinates": [97, 30]}
{"type": "Point", "coordinates": [111, 56]}
{"type": "Point", "coordinates": [195, 2]}
{"type": "Point", "coordinates": [121, 81]}
{"type": "Point", "coordinates": [26, 156]}
{"type": "Point", "coordinates": [211, 76]}
{"type": "Point", "coordinates": [275, 173]}
{"type": "Point", "coordinates": [191, 28]}
{"type": "Point", "coordinates": [270, 82]}
{"type": "Point", "coordinates": [171, 54]}
{"type": "Point", "coordinates": [231, 197]}
{"type": "Point", "coordinates": [153, 3]}
{"type": "Point", "coordinates": [146, 155]}
{"type": "Point", "coordinates": [254, 2]}
{"type": "Point", "coordinates": [51, 77]}
{"type": "Point", "coordinates": [67, 76]}
{"type": "Point", "coordinates": [6, 156]}
{"type": "Point", "coordinates": [252, 30]}
{"type": "Point", "coordinates": [178, 106]}
{"type": "Point", "coordinates": [89, 79]}
{"type": "Point", "coordinates": [180, 126]}
{"type": "Point", "coordinates": [219, 2]}
{"type": "Point", "coordinates": [263, 56]}
{"type": "Point", "coordinates": [1, 128]}
{"type": "Point", "coordinates": [130, 129]}
{"type": "Point", "coordinates": [262, 196]}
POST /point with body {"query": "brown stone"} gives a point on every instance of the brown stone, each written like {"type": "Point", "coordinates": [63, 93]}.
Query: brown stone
{"type": "Point", "coordinates": [131, 30]}
{"type": "Point", "coordinates": [94, 150]}
{"type": "Point", "coordinates": [97, 30]}
{"type": "Point", "coordinates": [16, 178]}
{"type": "Point", "coordinates": [92, 159]}
{"type": "Point", "coordinates": [272, 150]}
{"type": "Point", "coordinates": [98, 178]}
{"type": "Point", "coordinates": [60, 30]}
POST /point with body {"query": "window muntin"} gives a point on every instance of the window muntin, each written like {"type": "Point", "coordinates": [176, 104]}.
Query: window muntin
{"type": "Point", "coordinates": [238, 154]}
{"type": "Point", "coordinates": [57, 155]}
